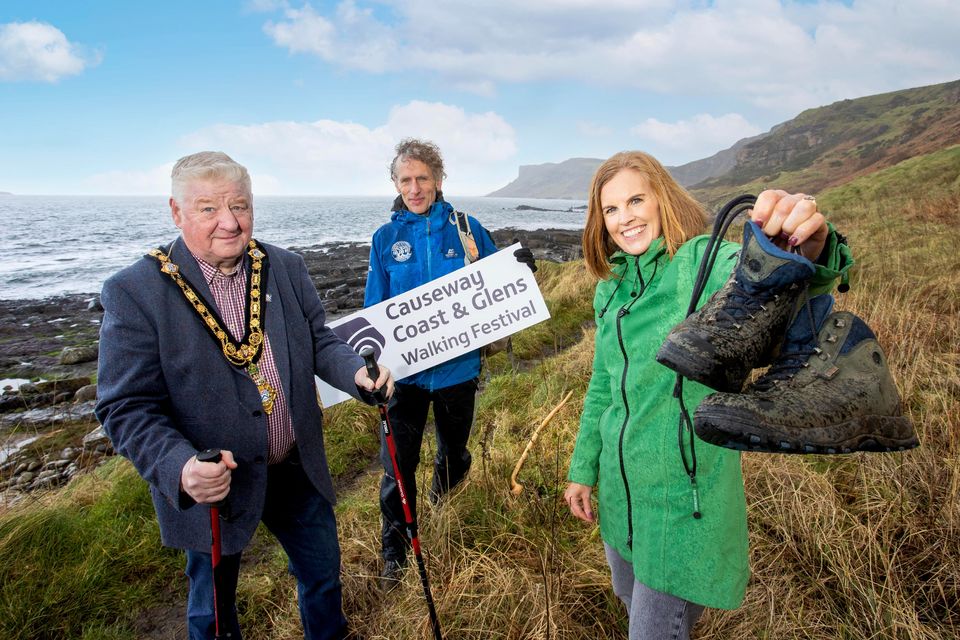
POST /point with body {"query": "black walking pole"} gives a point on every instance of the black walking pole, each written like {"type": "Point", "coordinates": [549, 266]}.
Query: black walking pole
{"type": "Point", "coordinates": [213, 455]}
{"type": "Point", "coordinates": [374, 372]}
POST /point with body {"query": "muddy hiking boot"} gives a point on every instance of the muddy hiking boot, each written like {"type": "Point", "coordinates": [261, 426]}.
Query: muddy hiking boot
{"type": "Point", "coordinates": [391, 575]}
{"type": "Point", "coordinates": [829, 391]}
{"type": "Point", "coordinates": [742, 324]}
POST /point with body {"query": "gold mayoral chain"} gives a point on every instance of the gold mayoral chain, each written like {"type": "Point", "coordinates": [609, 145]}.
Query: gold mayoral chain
{"type": "Point", "coordinates": [247, 353]}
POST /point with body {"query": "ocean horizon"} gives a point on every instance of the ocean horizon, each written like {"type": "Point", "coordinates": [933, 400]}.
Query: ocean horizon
{"type": "Point", "coordinates": [58, 245]}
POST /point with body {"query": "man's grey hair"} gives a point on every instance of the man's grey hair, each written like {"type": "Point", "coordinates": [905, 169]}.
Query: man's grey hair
{"type": "Point", "coordinates": [422, 150]}
{"type": "Point", "coordinates": [206, 165]}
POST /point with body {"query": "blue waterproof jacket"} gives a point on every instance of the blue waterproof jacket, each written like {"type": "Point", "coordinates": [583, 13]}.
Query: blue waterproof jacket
{"type": "Point", "coordinates": [411, 250]}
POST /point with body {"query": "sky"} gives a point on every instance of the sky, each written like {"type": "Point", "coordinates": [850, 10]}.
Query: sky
{"type": "Point", "coordinates": [102, 97]}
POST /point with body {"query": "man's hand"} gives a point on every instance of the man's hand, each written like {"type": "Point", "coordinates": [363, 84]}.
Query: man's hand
{"type": "Point", "coordinates": [577, 497]}
{"type": "Point", "coordinates": [207, 482]}
{"type": "Point", "coordinates": [363, 380]}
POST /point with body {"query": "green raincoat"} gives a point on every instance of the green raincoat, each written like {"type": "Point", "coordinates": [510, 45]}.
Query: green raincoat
{"type": "Point", "coordinates": [628, 442]}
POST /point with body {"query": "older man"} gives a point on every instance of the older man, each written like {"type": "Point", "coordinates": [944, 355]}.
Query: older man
{"type": "Point", "coordinates": [420, 243]}
{"type": "Point", "coordinates": [213, 342]}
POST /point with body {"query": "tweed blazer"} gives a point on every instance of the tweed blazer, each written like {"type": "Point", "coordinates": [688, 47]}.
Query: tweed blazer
{"type": "Point", "coordinates": [165, 390]}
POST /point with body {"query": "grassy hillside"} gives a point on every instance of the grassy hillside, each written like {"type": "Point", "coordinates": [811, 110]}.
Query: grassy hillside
{"type": "Point", "coordinates": [857, 547]}
{"type": "Point", "coordinates": [832, 145]}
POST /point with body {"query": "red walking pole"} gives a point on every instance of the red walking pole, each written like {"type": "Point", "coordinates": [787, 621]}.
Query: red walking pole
{"type": "Point", "coordinates": [373, 370]}
{"type": "Point", "coordinates": [213, 455]}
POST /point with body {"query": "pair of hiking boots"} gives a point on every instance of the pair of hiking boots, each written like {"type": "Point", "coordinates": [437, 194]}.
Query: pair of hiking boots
{"type": "Point", "coordinates": [828, 388]}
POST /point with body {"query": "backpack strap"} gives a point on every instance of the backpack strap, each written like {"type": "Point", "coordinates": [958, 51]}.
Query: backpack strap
{"type": "Point", "coordinates": [470, 251]}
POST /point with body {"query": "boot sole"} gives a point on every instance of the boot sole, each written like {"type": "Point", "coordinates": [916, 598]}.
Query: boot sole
{"type": "Point", "coordinates": [690, 367]}
{"type": "Point", "coordinates": [871, 433]}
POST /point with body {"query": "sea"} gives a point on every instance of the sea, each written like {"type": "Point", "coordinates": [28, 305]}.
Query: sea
{"type": "Point", "coordinates": [56, 245]}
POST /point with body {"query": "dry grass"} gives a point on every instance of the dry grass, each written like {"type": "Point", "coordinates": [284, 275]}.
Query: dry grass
{"type": "Point", "coordinates": [861, 547]}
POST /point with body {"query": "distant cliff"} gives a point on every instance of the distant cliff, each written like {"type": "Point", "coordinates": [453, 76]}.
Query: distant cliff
{"type": "Point", "coordinates": [570, 179]}
{"type": "Point", "coordinates": [820, 148]}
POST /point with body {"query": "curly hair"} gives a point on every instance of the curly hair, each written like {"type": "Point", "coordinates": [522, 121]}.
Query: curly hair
{"type": "Point", "coordinates": [423, 150]}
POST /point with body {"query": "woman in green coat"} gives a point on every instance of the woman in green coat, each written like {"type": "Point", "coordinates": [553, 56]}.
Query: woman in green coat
{"type": "Point", "coordinates": [640, 241]}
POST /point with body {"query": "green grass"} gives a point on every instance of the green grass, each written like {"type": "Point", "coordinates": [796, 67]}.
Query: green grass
{"type": "Point", "coordinates": [86, 557]}
{"type": "Point", "coordinates": [862, 547]}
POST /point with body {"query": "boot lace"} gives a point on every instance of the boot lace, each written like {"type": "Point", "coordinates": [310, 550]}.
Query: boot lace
{"type": "Point", "coordinates": [793, 359]}
{"type": "Point", "coordinates": [742, 306]}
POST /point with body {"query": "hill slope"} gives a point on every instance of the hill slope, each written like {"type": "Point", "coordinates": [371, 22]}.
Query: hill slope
{"type": "Point", "coordinates": [832, 145]}
{"type": "Point", "coordinates": [820, 148]}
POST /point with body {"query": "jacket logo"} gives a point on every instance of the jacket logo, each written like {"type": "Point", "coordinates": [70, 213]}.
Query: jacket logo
{"type": "Point", "coordinates": [401, 250]}
{"type": "Point", "coordinates": [451, 253]}
{"type": "Point", "coordinates": [360, 333]}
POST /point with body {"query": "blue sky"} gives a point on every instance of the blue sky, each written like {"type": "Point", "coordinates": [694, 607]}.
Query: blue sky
{"type": "Point", "coordinates": [102, 97]}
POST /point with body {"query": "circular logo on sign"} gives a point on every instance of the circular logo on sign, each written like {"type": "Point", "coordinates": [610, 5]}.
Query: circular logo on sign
{"type": "Point", "coordinates": [401, 250]}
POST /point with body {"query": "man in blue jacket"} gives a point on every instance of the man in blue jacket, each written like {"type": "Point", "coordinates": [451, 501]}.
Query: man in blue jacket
{"type": "Point", "coordinates": [213, 342]}
{"type": "Point", "coordinates": [419, 244]}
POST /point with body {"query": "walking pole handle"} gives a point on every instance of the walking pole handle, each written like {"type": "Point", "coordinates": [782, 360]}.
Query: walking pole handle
{"type": "Point", "coordinates": [373, 370]}
{"type": "Point", "coordinates": [209, 455]}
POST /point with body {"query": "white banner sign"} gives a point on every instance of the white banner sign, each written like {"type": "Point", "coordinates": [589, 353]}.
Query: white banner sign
{"type": "Point", "coordinates": [490, 299]}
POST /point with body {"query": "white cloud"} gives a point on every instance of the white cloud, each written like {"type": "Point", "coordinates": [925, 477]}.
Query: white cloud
{"type": "Point", "coordinates": [39, 51]}
{"type": "Point", "coordinates": [352, 38]}
{"type": "Point", "coordinates": [783, 56]}
{"type": "Point", "coordinates": [700, 136]}
{"type": "Point", "coordinates": [329, 157]}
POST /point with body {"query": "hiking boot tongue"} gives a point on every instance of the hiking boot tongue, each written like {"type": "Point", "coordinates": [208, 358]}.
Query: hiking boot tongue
{"type": "Point", "coordinates": [764, 268]}
{"type": "Point", "coordinates": [801, 334]}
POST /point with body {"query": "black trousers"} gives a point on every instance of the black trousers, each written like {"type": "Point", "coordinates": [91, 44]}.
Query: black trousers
{"type": "Point", "coordinates": [453, 413]}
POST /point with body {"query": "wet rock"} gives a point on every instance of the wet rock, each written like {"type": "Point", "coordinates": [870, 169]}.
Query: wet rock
{"type": "Point", "coordinates": [76, 355]}
{"type": "Point", "coordinates": [46, 416]}
{"type": "Point", "coordinates": [96, 439]}
{"type": "Point", "coordinates": [86, 393]}
{"type": "Point", "coordinates": [94, 305]}
{"type": "Point", "coordinates": [54, 465]}
{"type": "Point", "coordinates": [59, 386]}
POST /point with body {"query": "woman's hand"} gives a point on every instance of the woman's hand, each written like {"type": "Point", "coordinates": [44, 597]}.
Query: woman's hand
{"type": "Point", "coordinates": [577, 497]}
{"type": "Point", "coordinates": [791, 220]}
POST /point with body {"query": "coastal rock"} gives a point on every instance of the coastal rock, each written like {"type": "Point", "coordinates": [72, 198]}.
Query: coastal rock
{"type": "Point", "coordinates": [97, 439]}
{"type": "Point", "coordinates": [76, 355]}
{"type": "Point", "coordinates": [86, 393]}
{"type": "Point", "coordinates": [46, 416]}
{"type": "Point", "coordinates": [55, 386]}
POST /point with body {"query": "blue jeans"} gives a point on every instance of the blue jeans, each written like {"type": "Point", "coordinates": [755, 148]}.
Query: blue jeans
{"type": "Point", "coordinates": [304, 524]}
{"type": "Point", "coordinates": [653, 615]}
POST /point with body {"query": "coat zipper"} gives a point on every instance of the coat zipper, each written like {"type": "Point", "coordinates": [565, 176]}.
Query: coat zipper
{"type": "Point", "coordinates": [624, 310]}
{"type": "Point", "coordinates": [429, 278]}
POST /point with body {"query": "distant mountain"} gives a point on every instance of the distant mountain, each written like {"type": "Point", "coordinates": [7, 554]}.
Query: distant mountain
{"type": "Point", "coordinates": [5, 193]}
{"type": "Point", "coordinates": [570, 179]}
{"type": "Point", "coordinates": [820, 148]}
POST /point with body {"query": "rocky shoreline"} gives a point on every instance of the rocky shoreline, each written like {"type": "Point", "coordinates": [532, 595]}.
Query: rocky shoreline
{"type": "Point", "coordinates": [48, 362]}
